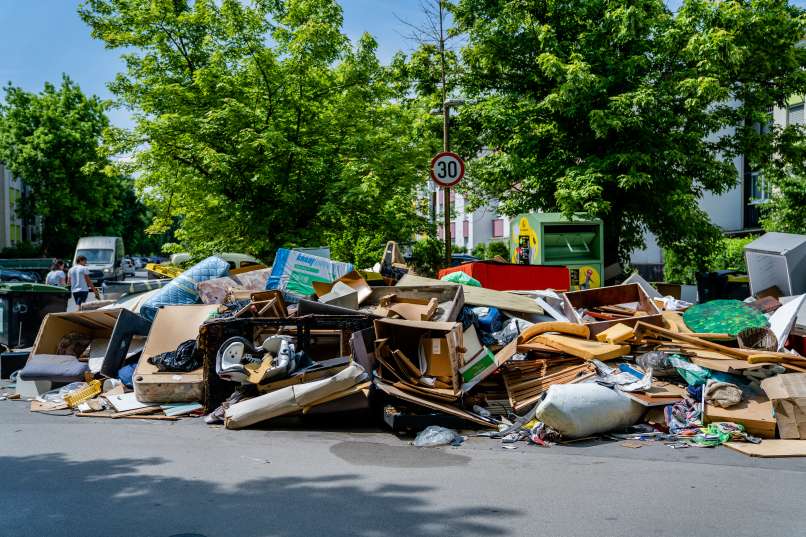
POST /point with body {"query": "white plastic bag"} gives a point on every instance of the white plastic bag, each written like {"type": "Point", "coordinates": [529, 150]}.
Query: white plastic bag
{"type": "Point", "coordinates": [579, 410]}
{"type": "Point", "coordinates": [433, 435]}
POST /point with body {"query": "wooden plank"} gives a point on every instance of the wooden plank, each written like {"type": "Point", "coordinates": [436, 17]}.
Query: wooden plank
{"type": "Point", "coordinates": [770, 448]}
{"type": "Point", "coordinates": [536, 329]}
{"type": "Point", "coordinates": [479, 296]}
{"type": "Point", "coordinates": [643, 328]}
{"type": "Point", "coordinates": [583, 348]}
{"type": "Point", "coordinates": [433, 405]}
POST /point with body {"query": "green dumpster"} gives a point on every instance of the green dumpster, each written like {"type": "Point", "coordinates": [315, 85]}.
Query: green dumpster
{"type": "Point", "coordinates": [552, 239]}
{"type": "Point", "coordinates": [22, 308]}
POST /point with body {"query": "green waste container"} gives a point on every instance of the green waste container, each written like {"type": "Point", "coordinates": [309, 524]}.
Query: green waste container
{"type": "Point", "coordinates": [22, 308]}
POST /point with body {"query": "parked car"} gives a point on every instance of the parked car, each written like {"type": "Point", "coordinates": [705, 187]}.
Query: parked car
{"type": "Point", "coordinates": [8, 275]}
{"type": "Point", "coordinates": [138, 263]}
{"type": "Point", "coordinates": [154, 259]}
{"type": "Point", "coordinates": [128, 267]}
{"type": "Point", "coordinates": [461, 259]}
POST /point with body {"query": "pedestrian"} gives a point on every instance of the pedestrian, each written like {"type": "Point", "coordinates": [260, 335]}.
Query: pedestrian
{"type": "Point", "coordinates": [56, 276]}
{"type": "Point", "coordinates": [78, 278]}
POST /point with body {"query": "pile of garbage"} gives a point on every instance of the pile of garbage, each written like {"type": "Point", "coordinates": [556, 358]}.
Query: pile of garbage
{"type": "Point", "coordinates": [313, 336]}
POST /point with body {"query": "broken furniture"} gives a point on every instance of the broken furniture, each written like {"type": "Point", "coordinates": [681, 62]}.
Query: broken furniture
{"type": "Point", "coordinates": [109, 331]}
{"type": "Point", "coordinates": [599, 309]}
{"type": "Point", "coordinates": [172, 326]}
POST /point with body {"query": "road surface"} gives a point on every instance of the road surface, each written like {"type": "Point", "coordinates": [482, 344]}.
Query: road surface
{"type": "Point", "coordinates": [68, 476]}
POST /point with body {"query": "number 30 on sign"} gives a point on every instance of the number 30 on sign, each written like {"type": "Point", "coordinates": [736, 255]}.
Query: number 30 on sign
{"type": "Point", "coordinates": [447, 169]}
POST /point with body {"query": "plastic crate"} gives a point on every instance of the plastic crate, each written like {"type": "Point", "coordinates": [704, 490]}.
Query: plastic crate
{"type": "Point", "coordinates": [73, 399]}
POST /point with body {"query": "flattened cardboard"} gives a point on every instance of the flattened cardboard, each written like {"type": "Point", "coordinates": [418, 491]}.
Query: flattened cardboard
{"type": "Point", "coordinates": [770, 448]}
{"type": "Point", "coordinates": [352, 279]}
{"type": "Point", "coordinates": [433, 405]}
{"type": "Point", "coordinates": [478, 296]}
{"type": "Point", "coordinates": [172, 326]}
{"type": "Point", "coordinates": [755, 414]}
{"type": "Point", "coordinates": [788, 395]}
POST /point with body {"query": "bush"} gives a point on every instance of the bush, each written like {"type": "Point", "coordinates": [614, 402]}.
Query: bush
{"type": "Point", "coordinates": [22, 250]}
{"type": "Point", "coordinates": [728, 256]}
{"type": "Point", "coordinates": [479, 251]}
{"type": "Point", "coordinates": [426, 256]}
{"type": "Point", "coordinates": [499, 248]}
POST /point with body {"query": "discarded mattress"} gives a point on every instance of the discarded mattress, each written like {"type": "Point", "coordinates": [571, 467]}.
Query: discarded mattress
{"type": "Point", "coordinates": [183, 289]}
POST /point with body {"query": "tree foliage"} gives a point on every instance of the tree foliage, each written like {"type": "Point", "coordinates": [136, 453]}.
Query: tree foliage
{"type": "Point", "coordinates": [786, 175]}
{"type": "Point", "coordinates": [260, 125]}
{"type": "Point", "coordinates": [51, 140]}
{"type": "Point", "coordinates": [625, 110]}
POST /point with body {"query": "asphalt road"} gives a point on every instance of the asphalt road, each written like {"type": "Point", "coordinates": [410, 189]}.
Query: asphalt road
{"type": "Point", "coordinates": [69, 476]}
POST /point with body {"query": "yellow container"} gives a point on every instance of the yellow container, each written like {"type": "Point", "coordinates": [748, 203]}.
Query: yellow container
{"type": "Point", "coordinates": [73, 399]}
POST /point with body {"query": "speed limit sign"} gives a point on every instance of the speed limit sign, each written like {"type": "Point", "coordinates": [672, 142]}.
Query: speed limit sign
{"type": "Point", "coordinates": [447, 169]}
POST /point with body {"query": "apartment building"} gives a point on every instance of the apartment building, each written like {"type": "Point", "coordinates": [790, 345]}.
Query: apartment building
{"type": "Point", "coordinates": [14, 229]}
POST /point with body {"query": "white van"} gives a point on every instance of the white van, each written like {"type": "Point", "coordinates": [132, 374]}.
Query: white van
{"type": "Point", "coordinates": [104, 257]}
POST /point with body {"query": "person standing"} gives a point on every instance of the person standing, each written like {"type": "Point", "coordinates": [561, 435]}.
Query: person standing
{"type": "Point", "coordinates": [78, 278]}
{"type": "Point", "coordinates": [56, 276]}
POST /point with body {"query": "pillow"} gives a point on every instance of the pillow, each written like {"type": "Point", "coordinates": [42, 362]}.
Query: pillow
{"type": "Point", "coordinates": [54, 367]}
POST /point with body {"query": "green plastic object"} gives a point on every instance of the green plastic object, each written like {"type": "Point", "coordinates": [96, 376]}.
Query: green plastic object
{"type": "Point", "coordinates": [461, 278]}
{"type": "Point", "coordinates": [16, 287]}
{"type": "Point", "coordinates": [723, 317]}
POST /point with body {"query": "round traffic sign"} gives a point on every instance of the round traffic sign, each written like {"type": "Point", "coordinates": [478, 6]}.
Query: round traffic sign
{"type": "Point", "coordinates": [447, 169]}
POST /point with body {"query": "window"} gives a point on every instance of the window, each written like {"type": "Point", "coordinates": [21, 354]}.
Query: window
{"type": "Point", "coordinates": [794, 115]}
{"type": "Point", "coordinates": [498, 228]}
{"type": "Point", "coordinates": [759, 190]}
{"type": "Point", "coordinates": [441, 231]}
{"type": "Point", "coordinates": [453, 230]}
{"type": "Point", "coordinates": [466, 228]}
{"type": "Point", "coordinates": [453, 196]}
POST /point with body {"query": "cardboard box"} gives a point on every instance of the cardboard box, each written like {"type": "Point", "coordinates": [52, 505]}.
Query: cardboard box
{"type": "Point", "coordinates": [172, 326]}
{"type": "Point", "coordinates": [117, 326]}
{"type": "Point", "coordinates": [611, 296]}
{"type": "Point", "coordinates": [787, 393]}
{"type": "Point", "coordinates": [408, 337]}
{"type": "Point", "coordinates": [755, 414]}
{"type": "Point", "coordinates": [480, 362]}
{"type": "Point", "coordinates": [450, 299]}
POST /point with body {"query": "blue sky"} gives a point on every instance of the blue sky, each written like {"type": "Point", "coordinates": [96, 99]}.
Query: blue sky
{"type": "Point", "coordinates": [41, 39]}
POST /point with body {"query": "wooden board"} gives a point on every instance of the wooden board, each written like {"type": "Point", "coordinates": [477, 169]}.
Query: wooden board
{"type": "Point", "coordinates": [771, 448]}
{"type": "Point", "coordinates": [583, 348]}
{"type": "Point", "coordinates": [728, 365]}
{"type": "Point", "coordinates": [478, 296]}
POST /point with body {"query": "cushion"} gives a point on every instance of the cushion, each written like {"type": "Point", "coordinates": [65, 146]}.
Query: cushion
{"type": "Point", "coordinates": [54, 367]}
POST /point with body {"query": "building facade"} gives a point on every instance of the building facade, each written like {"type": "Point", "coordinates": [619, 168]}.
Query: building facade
{"type": "Point", "coordinates": [14, 228]}
{"type": "Point", "coordinates": [469, 228]}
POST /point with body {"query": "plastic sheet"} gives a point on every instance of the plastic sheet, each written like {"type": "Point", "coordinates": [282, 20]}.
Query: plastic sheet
{"type": "Point", "coordinates": [294, 272]}
{"type": "Point", "coordinates": [434, 435]}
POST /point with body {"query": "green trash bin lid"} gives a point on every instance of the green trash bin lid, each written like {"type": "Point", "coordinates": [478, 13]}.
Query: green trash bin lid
{"type": "Point", "coordinates": [21, 287]}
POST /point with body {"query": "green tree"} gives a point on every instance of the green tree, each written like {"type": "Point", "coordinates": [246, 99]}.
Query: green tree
{"type": "Point", "coordinates": [260, 125]}
{"type": "Point", "coordinates": [51, 140]}
{"type": "Point", "coordinates": [625, 110]}
{"type": "Point", "coordinates": [786, 174]}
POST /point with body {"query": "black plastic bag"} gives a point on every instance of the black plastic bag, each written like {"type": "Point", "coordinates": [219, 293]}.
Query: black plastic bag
{"type": "Point", "coordinates": [184, 358]}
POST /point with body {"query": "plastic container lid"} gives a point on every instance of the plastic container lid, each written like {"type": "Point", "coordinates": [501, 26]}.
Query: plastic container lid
{"type": "Point", "coordinates": [22, 287]}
